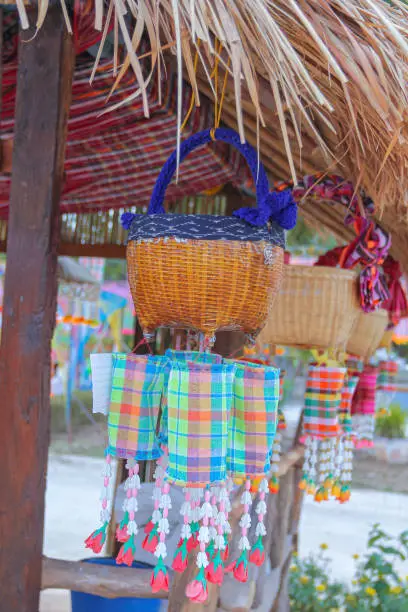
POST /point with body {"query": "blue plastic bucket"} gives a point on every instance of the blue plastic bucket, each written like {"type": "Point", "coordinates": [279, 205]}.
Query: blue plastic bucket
{"type": "Point", "coordinates": [82, 602]}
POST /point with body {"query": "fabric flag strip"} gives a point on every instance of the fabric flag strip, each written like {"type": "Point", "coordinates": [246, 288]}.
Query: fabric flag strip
{"type": "Point", "coordinates": [363, 407]}
{"type": "Point", "coordinates": [277, 448]}
{"type": "Point", "coordinates": [344, 445]}
{"type": "Point", "coordinates": [386, 385]}
{"type": "Point", "coordinates": [321, 428]}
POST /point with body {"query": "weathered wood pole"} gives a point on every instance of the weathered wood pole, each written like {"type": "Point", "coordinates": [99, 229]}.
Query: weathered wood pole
{"type": "Point", "coordinates": [44, 84]}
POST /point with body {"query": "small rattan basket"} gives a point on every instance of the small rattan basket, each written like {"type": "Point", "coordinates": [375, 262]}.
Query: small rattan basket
{"type": "Point", "coordinates": [367, 333]}
{"type": "Point", "coordinates": [315, 308]}
{"type": "Point", "coordinates": [207, 272]}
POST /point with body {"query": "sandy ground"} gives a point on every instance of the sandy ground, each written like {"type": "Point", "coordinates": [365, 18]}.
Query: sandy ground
{"type": "Point", "coordinates": [72, 512]}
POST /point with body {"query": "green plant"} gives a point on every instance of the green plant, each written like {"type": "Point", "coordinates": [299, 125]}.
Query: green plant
{"type": "Point", "coordinates": [310, 586]}
{"type": "Point", "coordinates": [391, 424]}
{"type": "Point", "coordinates": [376, 587]}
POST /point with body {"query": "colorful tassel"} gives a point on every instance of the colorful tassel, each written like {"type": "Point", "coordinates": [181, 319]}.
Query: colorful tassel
{"type": "Point", "coordinates": [159, 579]}
{"type": "Point", "coordinates": [98, 537]}
{"type": "Point", "coordinates": [127, 552]}
{"type": "Point", "coordinates": [257, 555]}
{"type": "Point", "coordinates": [197, 589]}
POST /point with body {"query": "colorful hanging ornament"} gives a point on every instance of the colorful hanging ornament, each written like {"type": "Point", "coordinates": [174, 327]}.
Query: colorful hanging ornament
{"type": "Point", "coordinates": [344, 445]}
{"type": "Point", "coordinates": [386, 386]}
{"type": "Point", "coordinates": [137, 385]}
{"type": "Point", "coordinates": [363, 408]}
{"type": "Point", "coordinates": [251, 437]}
{"type": "Point", "coordinates": [321, 428]}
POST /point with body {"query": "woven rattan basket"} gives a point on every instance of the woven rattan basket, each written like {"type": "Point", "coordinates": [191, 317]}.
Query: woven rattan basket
{"type": "Point", "coordinates": [207, 272]}
{"type": "Point", "coordinates": [367, 332]}
{"type": "Point", "coordinates": [315, 308]}
{"type": "Point", "coordinates": [386, 340]}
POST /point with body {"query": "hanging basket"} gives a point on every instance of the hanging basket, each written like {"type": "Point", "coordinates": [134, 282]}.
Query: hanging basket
{"type": "Point", "coordinates": [207, 272]}
{"type": "Point", "coordinates": [315, 308]}
{"type": "Point", "coordinates": [367, 333]}
{"type": "Point", "coordinates": [386, 340]}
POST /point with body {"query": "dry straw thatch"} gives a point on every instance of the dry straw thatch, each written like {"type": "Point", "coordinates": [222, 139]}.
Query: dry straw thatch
{"type": "Point", "coordinates": [317, 83]}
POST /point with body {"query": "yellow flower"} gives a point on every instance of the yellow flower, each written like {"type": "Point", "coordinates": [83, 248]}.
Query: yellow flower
{"type": "Point", "coordinates": [396, 590]}
{"type": "Point", "coordinates": [370, 591]}
{"type": "Point", "coordinates": [354, 582]}
{"type": "Point", "coordinates": [293, 568]}
{"type": "Point", "coordinates": [304, 579]}
{"type": "Point", "coordinates": [363, 579]}
{"type": "Point", "coordinates": [324, 546]}
{"type": "Point", "coordinates": [321, 588]}
{"type": "Point", "coordinates": [294, 554]}
{"type": "Point", "coordinates": [356, 556]}
{"type": "Point", "coordinates": [350, 598]}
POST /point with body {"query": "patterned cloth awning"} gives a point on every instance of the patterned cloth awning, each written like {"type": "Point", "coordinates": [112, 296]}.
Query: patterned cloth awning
{"type": "Point", "coordinates": [113, 158]}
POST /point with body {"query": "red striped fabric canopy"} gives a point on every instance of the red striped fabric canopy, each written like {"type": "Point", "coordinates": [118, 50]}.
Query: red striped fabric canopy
{"type": "Point", "coordinates": [113, 158]}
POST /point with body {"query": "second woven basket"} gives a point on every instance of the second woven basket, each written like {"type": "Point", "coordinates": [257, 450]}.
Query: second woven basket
{"type": "Point", "coordinates": [315, 308]}
{"type": "Point", "coordinates": [367, 333]}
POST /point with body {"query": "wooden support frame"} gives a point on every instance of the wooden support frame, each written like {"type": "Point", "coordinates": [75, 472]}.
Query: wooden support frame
{"type": "Point", "coordinates": [44, 83]}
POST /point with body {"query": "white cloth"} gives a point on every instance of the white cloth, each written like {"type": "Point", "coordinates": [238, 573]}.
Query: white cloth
{"type": "Point", "coordinates": [101, 370]}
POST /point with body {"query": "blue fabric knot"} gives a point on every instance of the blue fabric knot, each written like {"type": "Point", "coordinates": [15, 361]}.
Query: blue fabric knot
{"type": "Point", "coordinates": [276, 205]}
{"type": "Point", "coordinates": [126, 220]}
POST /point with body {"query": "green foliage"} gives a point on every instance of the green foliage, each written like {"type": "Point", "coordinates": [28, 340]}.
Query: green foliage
{"type": "Point", "coordinates": [304, 236]}
{"type": "Point", "coordinates": [115, 270]}
{"type": "Point", "coordinates": [377, 587]}
{"type": "Point", "coordinates": [391, 424]}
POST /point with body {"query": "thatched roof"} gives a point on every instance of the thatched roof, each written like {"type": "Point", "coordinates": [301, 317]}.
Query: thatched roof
{"type": "Point", "coordinates": [318, 84]}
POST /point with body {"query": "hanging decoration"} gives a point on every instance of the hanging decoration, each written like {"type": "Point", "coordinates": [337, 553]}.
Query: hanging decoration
{"type": "Point", "coordinates": [386, 385]}
{"type": "Point", "coordinates": [321, 427]}
{"type": "Point", "coordinates": [277, 445]}
{"type": "Point", "coordinates": [397, 304]}
{"type": "Point", "coordinates": [216, 420]}
{"type": "Point", "coordinates": [363, 407]}
{"type": "Point", "coordinates": [237, 257]}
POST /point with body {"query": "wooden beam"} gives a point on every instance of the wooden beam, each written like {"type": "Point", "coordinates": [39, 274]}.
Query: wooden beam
{"type": "Point", "coordinates": [107, 251]}
{"type": "Point", "coordinates": [104, 580]}
{"type": "Point", "coordinates": [44, 82]}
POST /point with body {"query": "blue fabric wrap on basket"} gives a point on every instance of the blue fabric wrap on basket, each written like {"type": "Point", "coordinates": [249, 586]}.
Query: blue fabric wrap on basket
{"type": "Point", "coordinates": [275, 211]}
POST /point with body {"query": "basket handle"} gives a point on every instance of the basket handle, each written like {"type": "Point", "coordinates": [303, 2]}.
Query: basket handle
{"type": "Point", "coordinates": [278, 206]}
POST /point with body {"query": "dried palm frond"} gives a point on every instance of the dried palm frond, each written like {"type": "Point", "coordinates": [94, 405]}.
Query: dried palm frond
{"type": "Point", "coordinates": [325, 79]}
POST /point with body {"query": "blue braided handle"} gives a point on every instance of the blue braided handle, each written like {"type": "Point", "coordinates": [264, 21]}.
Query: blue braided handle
{"type": "Point", "coordinates": [278, 206]}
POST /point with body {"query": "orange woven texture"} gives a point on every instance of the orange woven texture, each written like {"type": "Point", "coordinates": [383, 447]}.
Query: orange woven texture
{"type": "Point", "coordinates": [367, 333]}
{"type": "Point", "coordinates": [315, 308]}
{"type": "Point", "coordinates": [206, 285]}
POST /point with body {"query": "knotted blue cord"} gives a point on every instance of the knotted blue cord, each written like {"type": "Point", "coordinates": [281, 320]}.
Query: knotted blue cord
{"type": "Point", "coordinates": [277, 206]}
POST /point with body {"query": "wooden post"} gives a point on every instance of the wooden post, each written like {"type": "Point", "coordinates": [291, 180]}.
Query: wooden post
{"type": "Point", "coordinates": [44, 83]}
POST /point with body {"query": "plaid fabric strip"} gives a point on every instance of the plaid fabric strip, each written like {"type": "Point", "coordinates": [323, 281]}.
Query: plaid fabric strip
{"type": "Point", "coordinates": [322, 400]}
{"type": "Point", "coordinates": [194, 356]}
{"type": "Point", "coordinates": [349, 387]}
{"type": "Point", "coordinates": [199, 403]}
{"type": "Point", "coordinates": [387, 372]}
{"type": "Point", "coordinates": [253, 419]}
{"type": "Point", "coordinates": [137, 385]}
{"type": "Point", "coordinates": [365, 395]}
{"type": "Point", "coordinates": [183, 357]}
{"type": "Point", "coordinates": [354, 366]}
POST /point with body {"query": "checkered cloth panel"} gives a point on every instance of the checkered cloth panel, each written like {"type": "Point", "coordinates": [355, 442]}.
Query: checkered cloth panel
{"type": "Point", "coordinates": [137, 386]}
{"type": "Point", "coordinates": [322, 401]}
{"type": "Point", "coordinates": [199, 403]}
{"type": "Point", "coordinates": [387, 372]}
{"type": "Point", "coordinates": [349, 387]}
{"type": "Point", "coordinates": [253, 419]}
{"type": "Point", "coordinates": [182, 356]}
{"type": "Point", "coordinates": [365, 395]}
